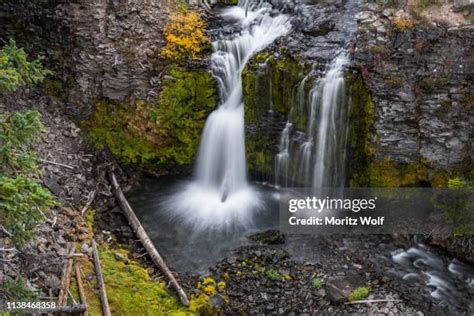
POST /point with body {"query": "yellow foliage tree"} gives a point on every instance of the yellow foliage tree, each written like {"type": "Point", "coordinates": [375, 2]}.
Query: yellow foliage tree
{"type": "Point", "coordinates": [185, 36]}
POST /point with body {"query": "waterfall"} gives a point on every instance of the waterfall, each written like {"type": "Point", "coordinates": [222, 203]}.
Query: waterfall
{"type": "Point", "coordinates": [220, 192]}
{"type": "Point", "coordinates": [317, 157]}
{"type": "Point", "coordinates": [331, 135]}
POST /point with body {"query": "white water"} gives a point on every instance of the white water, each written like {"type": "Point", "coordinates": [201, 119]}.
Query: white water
{"type": "Point", "coordinates": [327, 170]}
{"type": "Point", "coordinates": [317, 160]}
{"type": "Point", "coordinates": [220, 195]}
{"type": "Point", "coordinates": [446, 282]}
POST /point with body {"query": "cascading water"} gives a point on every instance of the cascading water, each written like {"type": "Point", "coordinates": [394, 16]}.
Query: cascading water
{"type": "Point", "coordinates": [317, 157]}
{"type": "Point", "coordinates": [220, 195]}
{"type": "Point", "coordinates": [332, 122]}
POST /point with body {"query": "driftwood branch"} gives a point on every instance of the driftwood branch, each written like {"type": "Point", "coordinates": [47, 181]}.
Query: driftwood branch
{"type": "Point", "coordinates": [8, 249]}
{"type": "Point", "coordinates": [82, 293]}
{"type": "Point", "coordinates": [90, 199]}
{"type": "Point", "coordinates": [5, 231]}
{"type": "Point", "coordinates": [100, 280]}
{"type": "Point", "coordinates": [56, 163]}
{"type": "Point", "coordinates": [66, 276]}
{"type": "Point", "coordinates": [145, 240]}
{"type": "Point", "coordinates": [372, 301]}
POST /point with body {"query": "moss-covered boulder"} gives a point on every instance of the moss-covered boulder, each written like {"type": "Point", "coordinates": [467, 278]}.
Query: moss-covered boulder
{"type": "Point", "coordinates": [163, 132]}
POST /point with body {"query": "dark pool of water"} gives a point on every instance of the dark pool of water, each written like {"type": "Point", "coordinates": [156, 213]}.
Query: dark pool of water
{"type": "Point", "coordinates": [183, 247]}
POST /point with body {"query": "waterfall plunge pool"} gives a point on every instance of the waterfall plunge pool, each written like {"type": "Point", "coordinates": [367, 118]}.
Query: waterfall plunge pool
{"type": "Point", "coordinates": [186, 244]}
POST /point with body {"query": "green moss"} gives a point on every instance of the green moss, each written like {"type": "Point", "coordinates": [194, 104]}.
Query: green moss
{"type": "Point", "coordinates": [129, 287]}
{"type": "Point", "coordinates": [206, 289]}
{"type": "Point", "coordinates": [54, 88]}
{"type": "Point", "coordinates": [269, 86]}
{"type": "Point", "coordinates": [395, 81]}
{"type": "Point", "coordinates": [131, 291]}
{"type": "Point", "coordinates": [430, 83]}
{"type": "Point", "coordinates": [359, 294]}
{"type": "Point", "coordinates": [262, 57]}
{"type": "Point", "coordinates": [260, 150]}
{"type": "Point", "coordinates": [361, 118]}
{"type": "Point", "coordinates": [163, 132]}
{"type": "Point", "coordinates": [184, 104]}
{"type": "Point", "coordinates": [90, 217]}
{"type": "Point", "coordinates": [386, 173]}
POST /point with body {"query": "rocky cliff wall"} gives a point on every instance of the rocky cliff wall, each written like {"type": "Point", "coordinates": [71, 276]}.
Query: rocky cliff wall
{"type": "Point", "coordinates": [420, 76]}
{"type": "Point", "coordinates": [101, 49]}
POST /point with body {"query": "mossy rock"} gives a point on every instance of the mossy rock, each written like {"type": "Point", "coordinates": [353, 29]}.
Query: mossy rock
{"type": "Point", "coordinates": [54, 88]}
{"type": "Point", "coordinates": [361, 129]}
{"type": "Point", "coordinates": [130, 288]}
{"type": "Point", "coordinates": [164, 132]}
{"type": "Point", "coordinates": [270, 85]}
{"type": "Point", "coordinates": [260, 152]}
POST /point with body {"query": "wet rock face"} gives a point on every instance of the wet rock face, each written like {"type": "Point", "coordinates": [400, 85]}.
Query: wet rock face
{"type": "Point", "coordinates": [322, 28]}
{"type": "Point", "coordinates": [102, 48]}
{"type": "Point", "coordinates": [420, 80]}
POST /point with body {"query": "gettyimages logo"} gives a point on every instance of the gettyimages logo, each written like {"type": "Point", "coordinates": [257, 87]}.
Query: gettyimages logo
{"type": "Point", "coordinates": [375, 210]}
{"type": "Point", "coordinates": [316, 204]}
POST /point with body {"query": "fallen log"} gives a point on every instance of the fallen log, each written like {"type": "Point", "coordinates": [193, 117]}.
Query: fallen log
{"type": "Point", "coordinates": [100, 280]}
{"type": "Point", "coordinates": [145, 240]}
{"type": "Point", "coordinates": [80, 287]}
{"type": "Point", "coordinates": [56, 163]}
{"type": "Point", "coordinates": [66, 276]}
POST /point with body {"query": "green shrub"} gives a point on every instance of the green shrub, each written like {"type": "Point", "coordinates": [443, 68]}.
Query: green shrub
{"type": "Point", "coordinates": [317, 283]}
{"type": "Point", "coordinates": [16, 290]}
{"type": "Point", "coordinates": [18, 131]}
{"type": "Point", "coordinates": [16, 70]}
{"type": "Point", "coordinates": [273, 275]}
{"type": "Point", "coordinates": [24, 202]}
{"type": "Point", "coordinates": [359, 294]}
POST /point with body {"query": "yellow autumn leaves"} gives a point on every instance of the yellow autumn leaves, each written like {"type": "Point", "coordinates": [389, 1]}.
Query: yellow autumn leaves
{"type": "Point", "coordinates": [185, 36]}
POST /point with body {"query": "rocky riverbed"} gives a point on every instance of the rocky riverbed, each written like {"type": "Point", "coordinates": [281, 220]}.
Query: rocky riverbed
{"type": "Point", "coordinates": [272, 278]}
